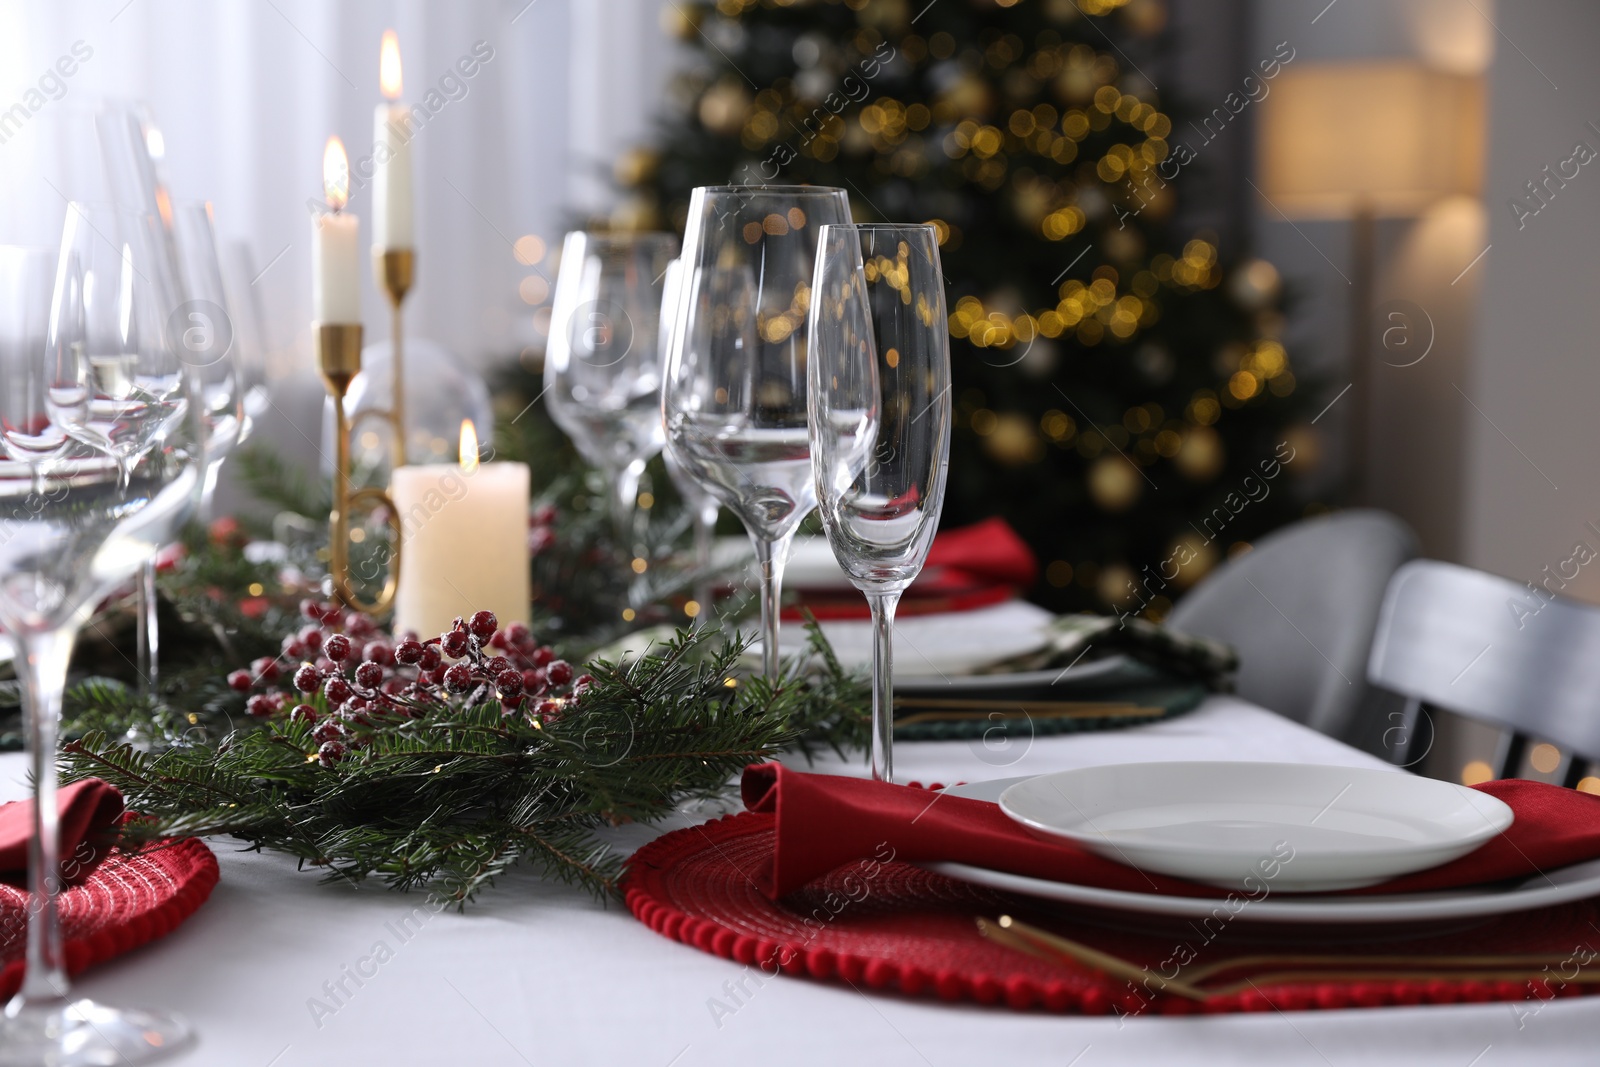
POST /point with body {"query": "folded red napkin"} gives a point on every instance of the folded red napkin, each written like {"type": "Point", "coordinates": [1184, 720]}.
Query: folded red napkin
{"type": "Point", "coordinates": [89, 813]}
{"type": "Point", "coordinates": [970, 567]}
{"type": "Point", "coordinates": [824, 821]}
{"type": "Point", "coordinates": [987, 551]}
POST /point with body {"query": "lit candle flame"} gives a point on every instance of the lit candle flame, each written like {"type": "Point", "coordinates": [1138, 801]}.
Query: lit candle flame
{"type": "Point", "coordinates": [469, 447]}
{"type": "Point", "coordinates": [336, 174]}
{"type": "Point", "coordinates": [389, 65]}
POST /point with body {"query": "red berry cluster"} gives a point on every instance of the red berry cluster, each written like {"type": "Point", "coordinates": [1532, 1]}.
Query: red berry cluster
{"type": "Point", "coordinates": [369, 680]}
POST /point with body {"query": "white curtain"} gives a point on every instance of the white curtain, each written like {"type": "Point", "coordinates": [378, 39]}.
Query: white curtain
{"type": "Point", "coordinates": [247, 91]}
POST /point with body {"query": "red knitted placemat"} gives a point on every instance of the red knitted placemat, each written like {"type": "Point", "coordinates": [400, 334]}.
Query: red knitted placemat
{"type": "Point", "coordinates": [891, 926]}
{"type": "Point", "coordinates": [125, 902]}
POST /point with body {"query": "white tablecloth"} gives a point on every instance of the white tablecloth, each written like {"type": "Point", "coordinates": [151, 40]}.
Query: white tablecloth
{"type": "Point", "coordinates": [539, 974]}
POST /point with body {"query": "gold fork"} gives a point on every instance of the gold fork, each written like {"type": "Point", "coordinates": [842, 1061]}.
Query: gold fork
{"type": "Point", "coordinates": [1042, 944]}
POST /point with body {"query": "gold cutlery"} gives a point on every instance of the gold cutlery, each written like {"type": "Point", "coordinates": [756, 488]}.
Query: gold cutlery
{"type": "Point", "coordinates": [1280, 969]}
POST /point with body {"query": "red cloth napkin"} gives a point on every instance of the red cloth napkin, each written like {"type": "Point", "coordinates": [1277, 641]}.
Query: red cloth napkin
{"type": "Point", "coordinates": [970, 567]}
{"type": "Point", "coordinates": [824, 821]}
{"type": "Point", "coordinates": [89, 813]}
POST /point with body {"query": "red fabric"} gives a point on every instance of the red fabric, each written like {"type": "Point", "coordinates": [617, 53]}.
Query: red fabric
{"type": "Point", "coordinates": [883, 924]}
{"type": "Point", "coordinates": [824, 821]}
{"type": "Point", "coordinates": [126, 902]}
{"type": "Point", "coordinates": [89, 811]}
{"type": "Point", "coordinates": [967, 568]}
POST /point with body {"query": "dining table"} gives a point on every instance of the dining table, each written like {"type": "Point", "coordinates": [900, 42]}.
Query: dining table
{"type": "Point", "coordinates": [282, 969]}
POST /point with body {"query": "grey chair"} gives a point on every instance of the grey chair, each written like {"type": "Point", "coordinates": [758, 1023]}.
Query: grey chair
{"type": "Point", "coordinates": [1497, 651]}
{"type": "Point", "coordinates": [1300, 608]}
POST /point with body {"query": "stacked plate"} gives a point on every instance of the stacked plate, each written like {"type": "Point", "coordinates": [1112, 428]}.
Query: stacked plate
{"type": "Point", "coordinates": [1302, 832]}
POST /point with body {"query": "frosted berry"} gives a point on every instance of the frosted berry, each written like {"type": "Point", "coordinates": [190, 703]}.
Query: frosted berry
{"type": "Point", "coordinates": [330, 753]}
{"type": "Point", "coordinates": [454, 643]}
{"type": "Point", "coordinates": [496, 665]}
{"type": "Point", "coordinates": [533, 680]}
{"type": "Point", "coordinates": [379, 652]}
{"type": "Point", "coordinates": [559, 672]}
{"type": "Point", "coordinates": [265, 669]}
{"type": "Point", "coordinates": [430, 658]}
{"type": "Point", "coordinates": [240, 681]}
{"type": "Point", "coordinates": [261, 705]}
{"type": "Point", "coordinates": [292, 648]}
{"type": "Point", "coordinates": [542, 655]}
{"type": "Point", "coordinates": [337, 648]}
{"type": "Point", "coordinates": [509, 683]}
{"type": "Point", "coordinates": [358, 625]}
{"type": "Point", "coordinates": [310, 609]}
{"type": "Point", "coordinates": [458, 679]}
{"type": "Point", "coordinates": [583, 681]}
{"type": "Point", "coordinates": [518, 633]}
{"type": "Point", "coordinates": [336, 689]}
{"type": "Point", "coordinates": [408, 651]}
{"type": "Point", "coordinates": [483, 625]}
{"type": "Point", "coordinates": [307, 679]}
{"type": "Point", "coordinates": [328, 730]}
{"type": "Point", "coordinates": [303, 713]}
{"type": "Point", "coordinates": [311, 637]}
{"type": "Point", "coordinates": [369, 674]}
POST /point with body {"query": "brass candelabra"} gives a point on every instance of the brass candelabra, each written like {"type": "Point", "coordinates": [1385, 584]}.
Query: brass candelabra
{"type": "Point", "coordinates": [339, 360]}
{"type": "Point", "coordinates": [395, 269]}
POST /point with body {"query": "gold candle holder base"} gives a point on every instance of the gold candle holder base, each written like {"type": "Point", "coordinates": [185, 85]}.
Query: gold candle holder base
{"type": "Point", "coordinates": [339, 361]}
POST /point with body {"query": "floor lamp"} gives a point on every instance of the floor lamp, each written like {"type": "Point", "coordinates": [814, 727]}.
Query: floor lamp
{"type": "Point", "coordinates": [1360, 141]}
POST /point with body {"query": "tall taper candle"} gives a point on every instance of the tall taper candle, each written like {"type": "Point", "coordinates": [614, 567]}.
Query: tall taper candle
{"type": "Point", "coordinates": [391, 137]}
{"type": "Point", "coordinates": [335, 235]}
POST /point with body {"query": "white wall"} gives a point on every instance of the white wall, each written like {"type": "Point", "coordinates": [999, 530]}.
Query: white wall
{"type": "Point", "coordinates": [1532, 480]}
{"type": "Point", "coordinates": [1412, 454]}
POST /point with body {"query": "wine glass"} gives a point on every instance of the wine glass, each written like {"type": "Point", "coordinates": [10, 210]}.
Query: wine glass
{"type": "Point", "coordinates": [103, 462]}
{"type": "Point", "coordinates": [734, 399]}
{"type": "Point", "coordinates": [602, 366]}
{"type": "Point", "coordinates": [880, 422]}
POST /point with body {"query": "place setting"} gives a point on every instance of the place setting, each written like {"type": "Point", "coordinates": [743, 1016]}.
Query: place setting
{"type": "Point", "coordinates": [529, 535]}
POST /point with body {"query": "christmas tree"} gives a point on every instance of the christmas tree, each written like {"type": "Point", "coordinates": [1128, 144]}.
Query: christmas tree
{"type": "Point", "coordinates": [1121, 397]}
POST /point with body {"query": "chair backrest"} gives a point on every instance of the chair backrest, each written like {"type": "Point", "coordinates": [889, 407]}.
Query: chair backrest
{"type": "Point", "coordinates": [1300, 609]}
{"type": "Point", "coordinates": [1518, 657]}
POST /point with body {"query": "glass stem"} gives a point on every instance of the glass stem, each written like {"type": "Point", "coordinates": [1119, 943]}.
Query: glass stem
{"type": "Point", "coordinates": [771, 556]}
{"type": "Point", "coordinates": [624, 504]}
{"type": "Point", "coordinates": [149, 631]}
{"type": "Point", "coordinates": [883, 605]}
{"type": "Point", "coordinates": [705, 532]}
{"type": "Point", "coordinates": [625, 501]}
{"type": "Point", "coordinates": [43, 657]}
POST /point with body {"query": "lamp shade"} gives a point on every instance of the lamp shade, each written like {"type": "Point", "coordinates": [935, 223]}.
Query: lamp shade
{"type": "Point", "coordinates": [1390, 138]}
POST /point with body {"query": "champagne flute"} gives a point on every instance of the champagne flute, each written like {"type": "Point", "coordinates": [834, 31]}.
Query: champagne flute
{"type": "Point", "coordinates": [204, 335]}
{"type": "Point", "coordinates": [104, 461]}
{"type": "Point", "coordinates": [202, 332]}
{"type": "Point", "coordinates": [880, 422]}
{"type": "Point", "coordinates": [602, 366]}
{"type": "Point", "coordinates": [734, 399]}
{"type": "Point", "coordinates": [703, 508]}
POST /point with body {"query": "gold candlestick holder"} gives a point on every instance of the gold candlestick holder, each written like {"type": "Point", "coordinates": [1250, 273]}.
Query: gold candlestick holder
{"type": "Point", "coordinates": [339, 360]}
{"type": "Point", "coordinates": [395, 269]}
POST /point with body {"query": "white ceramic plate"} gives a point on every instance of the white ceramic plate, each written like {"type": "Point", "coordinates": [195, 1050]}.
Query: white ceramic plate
{"type": "Point", "coordinates": [1579, 881]}
{"type": "Point", "coordinates": [1314, 828]}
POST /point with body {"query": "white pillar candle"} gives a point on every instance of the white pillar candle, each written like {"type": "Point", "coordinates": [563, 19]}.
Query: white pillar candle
{"type": "Point", "coordinates": [391, 147]}
{"type": "Point", "coordinates": [335, 236]}
{"type": "Point", "coordinates": [464, 541]}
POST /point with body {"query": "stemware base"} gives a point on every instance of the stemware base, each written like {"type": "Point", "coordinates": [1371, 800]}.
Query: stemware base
{"type": "Point", "coordinates": [83, 1033]}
